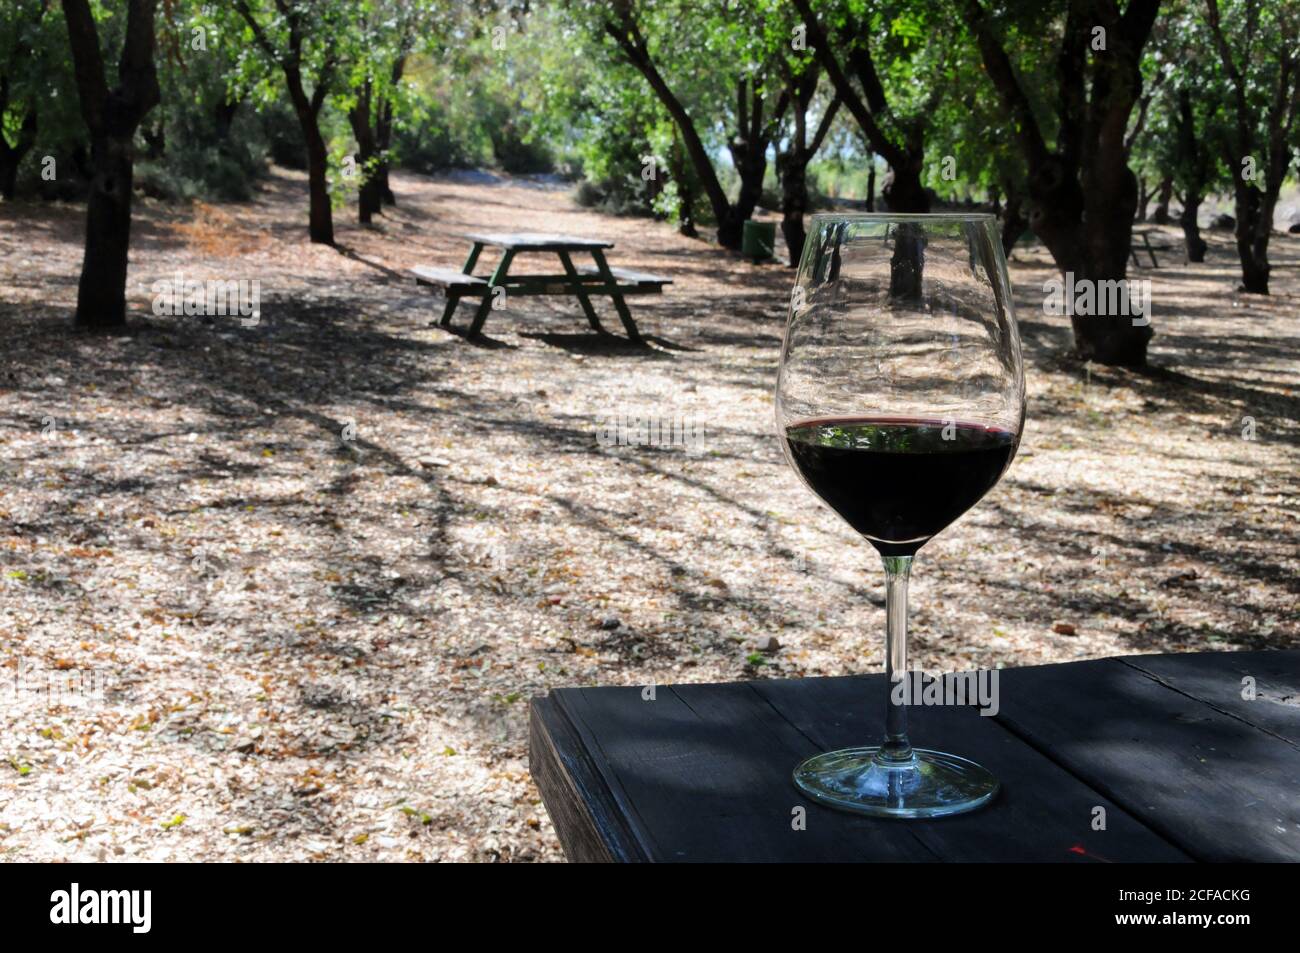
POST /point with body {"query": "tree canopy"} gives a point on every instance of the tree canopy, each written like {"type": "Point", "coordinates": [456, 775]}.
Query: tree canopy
{"type": "Point", "coordinates": [1065, 117]}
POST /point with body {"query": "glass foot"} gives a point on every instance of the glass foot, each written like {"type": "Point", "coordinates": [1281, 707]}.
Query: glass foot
{"type": "Point", "coordinates": [932, 784]}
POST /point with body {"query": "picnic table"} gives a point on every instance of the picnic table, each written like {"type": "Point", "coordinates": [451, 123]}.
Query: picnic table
{"type": "Point", "coordinates": [1144, 235]}
{"type": "Point", "coordinates": [1173, 753]}
{"type": "Point", "coordinates": [582, 282]}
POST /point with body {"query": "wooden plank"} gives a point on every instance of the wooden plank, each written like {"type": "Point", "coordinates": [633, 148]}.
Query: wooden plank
{"type": "Point", "coordinates": [627, 274]}
{"type": "Point", "coordinates": [703, 773]}
{"type": "Point", "coordinates": [1216, 678]}
{"type": "Point", "coordinates": [1042, 813]}
{"type": "Point", "coordinates": [537, 241]}
{"type": "Point", "coordinates": [529, 289]}
{"type": "Point", "coordinates": [449, 278]}
{"type": "Point", "coordinates": [717, 788]}
{"type": "Point", "coordinates": [524, 285]}
{"type": "Point", "coordinates": [551, 284]}
{"type": "Point", "coordinates": [586, 818]}
{"type": "Point", "coordinates": [1220, 788]}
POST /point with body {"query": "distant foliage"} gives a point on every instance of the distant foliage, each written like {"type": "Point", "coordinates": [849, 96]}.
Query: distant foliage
{"type": "Point", "coordinates": [198, 164]}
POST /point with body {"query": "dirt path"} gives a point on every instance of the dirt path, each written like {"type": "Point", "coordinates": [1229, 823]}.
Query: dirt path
{"type": "Point", "coordinates": [308, 573]}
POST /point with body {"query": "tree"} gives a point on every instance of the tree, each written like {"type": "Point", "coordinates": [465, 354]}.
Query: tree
{"type": "Point", "coordinates": [971, 138]}
{"type": "Point", "coordinates": [776, 27]}
{"type": "Point", "coordinates": [1264, 78]}
{"type": "Point", "coordinates": [21, 74]}
{"type": "Point", "coordinates": [306, 41]}
{"type": "Point", "coordinates": [112, 116]}
{"type": "Point", "coordinates": [894, 129]}
{"type": "Point", "coordinates": [39, 112]}
{"type": "Point", "coordinates": [1194, 171]}
{"type": "Point", "coordinates": [1082, 193]}
{"type": "Point", "coordinates": [754, 131]}
{"type": "Point", "coordinates": [1164, 193]}
{"type": "Point", "coordinates": [391, 31]}
{"type": "Point", "coordinates": [792, 162]}
{"type": "Point", "coordinates": [760, 104]}
{"type": "Point", "coordinates": [1186, 119]}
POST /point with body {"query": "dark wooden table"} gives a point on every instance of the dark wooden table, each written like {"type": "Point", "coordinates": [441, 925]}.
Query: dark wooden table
{"type": "Point", "coordinates": [581, 282]}
{"type": "Point", "coordinates": [1184, 766]}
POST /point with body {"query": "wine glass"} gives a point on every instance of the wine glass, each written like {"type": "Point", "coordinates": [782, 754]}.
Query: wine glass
{"type": "Point", "coordinates": [900, 400]}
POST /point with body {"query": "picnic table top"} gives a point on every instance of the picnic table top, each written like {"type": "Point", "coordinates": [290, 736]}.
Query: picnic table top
{"type": "Point", "coordinates": [536, 241]}
{"type": "Point", "coordinates": [1184, 766]}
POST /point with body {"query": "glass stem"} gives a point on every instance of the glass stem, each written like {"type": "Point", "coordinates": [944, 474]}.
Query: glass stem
{"type": "Point", "coordinates": [896, 750]}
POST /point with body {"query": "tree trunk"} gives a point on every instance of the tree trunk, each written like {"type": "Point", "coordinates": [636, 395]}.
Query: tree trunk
{"type": "Point", "coordinates": [1056, 210]}
{"type": "Point", "coordinates": [1254, 207]}
{"type": "Point", "coordinates": [1161, 214]}
{"type": "Point", "coordinates": [794, 203]}
{"type": "Point", "coordinates": [748, 149]}
{"type": "Point", "coordinates": [320, 228]}
{"type": "Point", "coordinates": [731, 228]}
{"type": "Point", "coordinates": [751, 164]}
{"type": "Point", "coordinates": [21, 60]}
{"type": "Point", "coordinates": [224, 114]}
{"type": "Point", "coordinates": [1191, 229]}
{"type": "Point", "coordinates": [685, 189]}
{"type": "Point", "coordinates": [1143, 198]}
{"type": "Point", "coordinates": [792, 165]}
{"type": "Point", "coordinates": [903, 190]}
{"type": "Point", "coordinates": [383, 142]}
{"type": "Point", "coordinates": [101, 293]}
{"type": "Point", "coordinates": [686, 210]}
{"type": "Point", "coordinates": [1194, 169]}
{"type": "Point", "coordinates": [384, 135]}
{"type": "Point", "coordinates": [1014, 221]}
{"type": "Point", "coordinates": [1086, 222]}
{"type": "Point", "coordinates": [320, 223]}
{"type": "Point", "coordinates": [1252, 252]}
{"type": "Point", "coordinates": [1083, 196]}
{"type": "Point", "coordinates": [112, 116]}
{"type": "Point", "coordinates": [1111, 198]}
{"type": "Point", "coordinates": [370, 195]}
{"type": "Point", "coordinates": [8, 175]}
{"type": "Point", "coordinates": [155, 141]}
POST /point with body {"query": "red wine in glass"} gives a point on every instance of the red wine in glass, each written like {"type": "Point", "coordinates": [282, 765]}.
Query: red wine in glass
{"type": "Point", "coordinates": [896, 480]}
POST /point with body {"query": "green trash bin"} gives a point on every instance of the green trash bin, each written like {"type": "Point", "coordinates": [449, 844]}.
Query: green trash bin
{"type": "Point", "coordinates": [758, 240]}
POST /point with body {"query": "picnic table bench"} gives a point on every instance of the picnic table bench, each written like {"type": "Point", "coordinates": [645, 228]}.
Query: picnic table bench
{"type": "Point", "coordinates": [582, 282]}
{"type": "Point", "coordinates": [1140, 758]}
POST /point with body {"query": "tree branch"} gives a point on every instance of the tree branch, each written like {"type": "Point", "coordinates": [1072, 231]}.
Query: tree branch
{"type": "Point", "coordinates": [136, 71]}
{"type": "Point", "coordinates": [628, 36]}
{"type": "Point", "coordinates": [1234, 75]}
{"type": "Point", "coordinates": [87, 63]}
{"type": "Point", "coordinates": [1117, 89]}
{"type": "Point", "coordinates": [824, 126]}
{"type": "Point", "coordinates": [259, 35]}
{"type": "Point", "coordinates": [879, 142]}
{"type": "Point", "coordinates": [998, 66]}
{"type": "Point", "coordinates": [1071, 66]}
